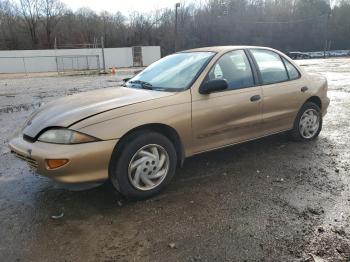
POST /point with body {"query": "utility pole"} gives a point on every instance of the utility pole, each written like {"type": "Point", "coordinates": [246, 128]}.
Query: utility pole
{"type": "Point", "coordinates": [103, 54]}
{"type": "Point", "coordinates": [326, 44]}
{"type": "Point", "coordinates": [56, 59]}
{"type": "Point", "coordinates": [177, 5]}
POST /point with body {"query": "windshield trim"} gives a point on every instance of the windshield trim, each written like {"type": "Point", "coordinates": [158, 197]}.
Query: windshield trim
{"type": "Point", "coordinates": [200, 71]}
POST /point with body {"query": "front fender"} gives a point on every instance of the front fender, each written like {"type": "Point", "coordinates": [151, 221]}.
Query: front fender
{"type": "Point", "coordinates": [174, 112]}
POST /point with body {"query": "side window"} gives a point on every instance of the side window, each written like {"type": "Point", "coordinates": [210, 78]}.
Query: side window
{"type": "Point", "coordinates": [235, 68]}
{"type": "Point", "coordinates": [292, 71]}
{"type": "Point", "coordinates": [270, 65]}
{"type": "Point", "coordinates": [217, 72]}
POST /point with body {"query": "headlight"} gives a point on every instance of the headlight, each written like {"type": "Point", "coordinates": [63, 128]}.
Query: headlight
{"type": "Point", "coordinates": [65, 136]}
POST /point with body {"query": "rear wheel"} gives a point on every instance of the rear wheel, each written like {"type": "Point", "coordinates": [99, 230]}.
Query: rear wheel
{"type": "Point", "coordinates": [145, 165]}
{"type": "Point", "coordinates": [308, 123]}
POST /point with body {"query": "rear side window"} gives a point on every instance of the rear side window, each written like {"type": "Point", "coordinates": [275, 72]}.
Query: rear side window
{"type": "Point", "coordinates": [271, 66]}
{"type": "Point", "coordinates": [235, 68]}
{"type": "Point", "coordinates": [292, 71]}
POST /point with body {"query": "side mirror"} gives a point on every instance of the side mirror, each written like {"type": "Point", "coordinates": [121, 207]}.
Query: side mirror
{"type": "Point", "coordinates": [126, 79]}
{"type": "Point", "coordinates": [214, 85]}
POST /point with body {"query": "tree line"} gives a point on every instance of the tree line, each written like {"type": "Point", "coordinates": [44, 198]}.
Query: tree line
{"type": "Point", "coordinates": [288, 25]}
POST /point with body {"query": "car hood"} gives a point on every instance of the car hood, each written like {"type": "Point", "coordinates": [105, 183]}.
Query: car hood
{"type": "Point", "coordinates": [68, 110]}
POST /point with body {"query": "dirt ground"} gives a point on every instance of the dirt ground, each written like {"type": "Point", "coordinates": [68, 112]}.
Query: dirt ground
{"type": "Point", "coordinates": [267, 200]}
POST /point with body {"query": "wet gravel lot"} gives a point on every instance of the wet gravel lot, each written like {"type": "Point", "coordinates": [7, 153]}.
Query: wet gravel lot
{"type": "Point", "coordinates": [267, 200]}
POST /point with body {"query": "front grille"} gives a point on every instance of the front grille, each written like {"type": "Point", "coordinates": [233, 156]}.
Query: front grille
{"type": "Point", "coordinates": [31, 162]}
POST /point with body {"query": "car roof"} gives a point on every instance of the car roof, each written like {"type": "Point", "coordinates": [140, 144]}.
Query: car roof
{"type": "Point", "coordinates": [219, 49]}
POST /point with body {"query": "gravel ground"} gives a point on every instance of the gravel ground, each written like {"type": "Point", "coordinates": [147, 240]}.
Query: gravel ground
{"type": "Point", "coordinates": [267, 200]}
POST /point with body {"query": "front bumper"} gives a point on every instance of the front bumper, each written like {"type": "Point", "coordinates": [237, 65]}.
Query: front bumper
{"type": "Point", "coordinates": [87, 162]}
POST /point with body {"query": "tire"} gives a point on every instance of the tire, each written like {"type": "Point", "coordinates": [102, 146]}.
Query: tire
{"type": "Point", "coordinates": [298, 133]}
{"type": "Point", "coordinates": [136, 162]}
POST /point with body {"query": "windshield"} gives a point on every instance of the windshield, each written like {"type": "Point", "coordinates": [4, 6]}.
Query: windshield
{"type": "Point", "coordinates": [172, 73]}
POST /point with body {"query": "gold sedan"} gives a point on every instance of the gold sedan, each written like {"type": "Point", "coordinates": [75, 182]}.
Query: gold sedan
{"type": "Point", "coordinates": [184, 104]}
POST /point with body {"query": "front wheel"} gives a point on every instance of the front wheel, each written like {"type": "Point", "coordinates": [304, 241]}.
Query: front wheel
{"type": "Point", "coordinates": [145, 165]}
{"type": "Point", "coordinates": [308, 123]}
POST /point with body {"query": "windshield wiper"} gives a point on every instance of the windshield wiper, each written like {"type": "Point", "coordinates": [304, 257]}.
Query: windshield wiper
{"type": "Point", "coordinates": [144, 84]}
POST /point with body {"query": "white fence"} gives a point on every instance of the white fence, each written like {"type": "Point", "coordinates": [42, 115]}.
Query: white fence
{"type": "Point", "coordinates": [30, 61]}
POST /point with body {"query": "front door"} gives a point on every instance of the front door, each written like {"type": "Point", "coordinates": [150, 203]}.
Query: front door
{"type": "Point", "coordinates": [230, 116]}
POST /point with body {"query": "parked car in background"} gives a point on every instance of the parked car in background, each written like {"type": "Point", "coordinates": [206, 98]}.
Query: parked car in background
{"type": "Point", "coordinates": [182, 105]}
{"type": "Point", "coordinates": [298, 55]}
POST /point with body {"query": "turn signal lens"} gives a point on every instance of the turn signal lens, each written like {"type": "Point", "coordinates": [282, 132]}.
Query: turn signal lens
{"type": "Point", "coordinates": [56, 163]}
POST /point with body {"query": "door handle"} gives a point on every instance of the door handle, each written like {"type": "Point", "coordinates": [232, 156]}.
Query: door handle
{"type": "Point", "coordinates": [255, 98]}
{"type": "Point", "coordinates": [304, 89]}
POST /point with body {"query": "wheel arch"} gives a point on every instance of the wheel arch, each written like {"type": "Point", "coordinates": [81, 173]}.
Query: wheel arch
{"type": "Point", "coordinates": [316, 100]}
{"type": "Point", "coordinates": [163, 129]}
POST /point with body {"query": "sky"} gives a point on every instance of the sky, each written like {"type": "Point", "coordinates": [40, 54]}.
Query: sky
{"type": "Point", "coordinates": [124, 6]}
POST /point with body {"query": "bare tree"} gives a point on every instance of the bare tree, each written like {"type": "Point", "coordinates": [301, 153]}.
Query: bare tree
{"type": "Point", "coordinates": [30, 11]}
{"type": "Point", "coordinates": [87, 25]}
{"type": "Point", "coordinates": [52, 11]}
{"type": "Point", "coordinates": [9, 26]}
{"type": "Point", "coordinates": [3, 13]}
{"type": "Point", "coordinates": [113, 28]}
{"type": "Point", "coordinates": [284, 24]}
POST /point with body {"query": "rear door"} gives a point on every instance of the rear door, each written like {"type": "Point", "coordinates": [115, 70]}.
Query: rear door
{"type": "Point", "coordinates": [283, 90]}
